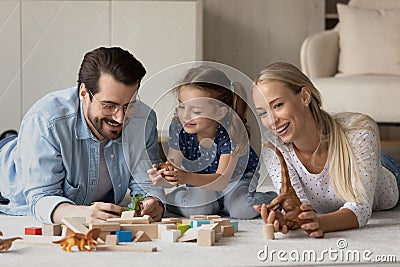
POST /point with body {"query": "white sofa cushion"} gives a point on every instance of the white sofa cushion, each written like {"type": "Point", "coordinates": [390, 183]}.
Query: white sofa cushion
{"type": "Point", "coordinates": [377, 96]}
{"type": "Point", "coordinates": [369, 41]}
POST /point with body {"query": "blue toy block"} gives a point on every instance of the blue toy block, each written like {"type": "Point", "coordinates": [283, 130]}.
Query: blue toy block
{"type": "Point", "coordinates": [235, 226]}
{"type": "Point", "coordinates": [198, 223]}
{"type": "Point", "coordinates": [124, 236]}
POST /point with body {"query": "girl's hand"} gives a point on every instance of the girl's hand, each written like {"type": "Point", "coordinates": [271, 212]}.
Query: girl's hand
{"type": "Point", "coordinates": [272, 217]}
{"type": "Point", "coordinates": [157, 179]}
{"type": "Point", "coordinates": [177, 176]}
{"type": "Point", "coordinates": [312, 227]}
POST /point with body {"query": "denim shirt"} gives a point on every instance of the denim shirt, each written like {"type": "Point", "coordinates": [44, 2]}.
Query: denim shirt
{"type": "Point", "coordinates": [55, 158]}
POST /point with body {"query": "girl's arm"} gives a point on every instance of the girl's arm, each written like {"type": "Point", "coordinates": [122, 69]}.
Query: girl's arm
{"type": "Point", "coordinates": [215, 181]}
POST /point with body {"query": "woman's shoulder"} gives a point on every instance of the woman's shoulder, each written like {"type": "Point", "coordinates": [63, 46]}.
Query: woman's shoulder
{"type": "Point", "coordinates": [351, 121]}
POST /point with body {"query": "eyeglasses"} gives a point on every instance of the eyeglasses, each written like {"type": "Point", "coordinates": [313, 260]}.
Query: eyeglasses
{"type": "Point", "coordinates": [109, 109]}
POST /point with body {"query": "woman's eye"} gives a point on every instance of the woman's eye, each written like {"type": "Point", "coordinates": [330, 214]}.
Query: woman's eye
{"type": "Point", "coordinates": [278, 105]}
{"type": "Point", "coordinates": [262, 114]}
{"type": "Point", "coordinates": [196, 112]}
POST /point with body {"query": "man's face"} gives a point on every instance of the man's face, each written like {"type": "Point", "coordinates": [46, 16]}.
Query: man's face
{"type": "Point", "coordinates": [111, 94]}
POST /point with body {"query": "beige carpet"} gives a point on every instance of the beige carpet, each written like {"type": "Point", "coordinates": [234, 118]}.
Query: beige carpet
{"type": "Point", "coordinates": [379, 240]}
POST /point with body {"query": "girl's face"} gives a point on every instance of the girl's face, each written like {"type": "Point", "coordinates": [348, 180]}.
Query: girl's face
{"type": "Point", "coordinates": [197, 111]}
{"type": "Point", "coordinates": [281, 110]}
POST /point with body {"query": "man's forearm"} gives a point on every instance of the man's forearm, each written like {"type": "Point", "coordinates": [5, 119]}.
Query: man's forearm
{"type": "Point", "coordinates": [65, 210]}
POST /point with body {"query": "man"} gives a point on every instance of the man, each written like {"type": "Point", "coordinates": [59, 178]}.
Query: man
{"type": "Point", "coordinates": [80, 149]}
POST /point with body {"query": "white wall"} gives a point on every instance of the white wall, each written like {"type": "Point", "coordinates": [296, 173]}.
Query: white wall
{"type": "Point", "coordinates": [42, 43]}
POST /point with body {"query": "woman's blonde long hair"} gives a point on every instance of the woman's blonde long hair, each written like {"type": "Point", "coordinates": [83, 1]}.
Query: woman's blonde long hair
{"type": "Point", "coordinates": [341, 159]}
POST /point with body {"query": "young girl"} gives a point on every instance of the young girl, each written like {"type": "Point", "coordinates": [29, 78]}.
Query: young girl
{"type": "Point", "coordinates": [334, 161]}
{"type": "Point", "coordinates": [208, 146]}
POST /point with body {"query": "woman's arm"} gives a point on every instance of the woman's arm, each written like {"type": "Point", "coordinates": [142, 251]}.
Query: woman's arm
{"type": "Point", "coordinates": [342, 219]}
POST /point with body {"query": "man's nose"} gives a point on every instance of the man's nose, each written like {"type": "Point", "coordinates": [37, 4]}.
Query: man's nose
{"type": "Point", "coordinates": [119, 115]}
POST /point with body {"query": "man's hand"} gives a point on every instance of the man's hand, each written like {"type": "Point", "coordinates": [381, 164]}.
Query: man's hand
{"type": "Point", "coordinates": [98, 212]}
{"type": "Point", "coordinates": [152, 207]}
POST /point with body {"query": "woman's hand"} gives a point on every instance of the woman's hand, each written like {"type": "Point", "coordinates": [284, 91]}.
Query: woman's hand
{"type": "Point", "coordinates": [157, 179]}
{"type": "Point", "coordinates": [313, 226]}
{"type": "Point", "coordinates": [272, 217]}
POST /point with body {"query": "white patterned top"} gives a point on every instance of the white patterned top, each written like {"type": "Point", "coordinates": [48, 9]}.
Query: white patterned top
{"type": "Point", "coordinates": [315, 189]}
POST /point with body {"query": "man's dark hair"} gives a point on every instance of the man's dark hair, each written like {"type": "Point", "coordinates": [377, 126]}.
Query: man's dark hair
{"type": "Point", "coordinates": [115, 61]}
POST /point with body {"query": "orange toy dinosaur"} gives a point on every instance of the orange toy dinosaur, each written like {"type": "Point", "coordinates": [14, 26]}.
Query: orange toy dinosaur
{"type": "Point", "coordinates": [80, 240]}
{"type": "Point", "coordinates": [287, 199]}
{"type": "Point", "coordinates": [5, 244]}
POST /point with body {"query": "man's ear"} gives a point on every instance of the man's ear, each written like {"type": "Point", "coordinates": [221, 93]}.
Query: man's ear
{"type": "Point", "coordinates": [305, 95]}
{"type": "Point", "coordinates": [221, 113]}
{"type": "Point", "coordinates": [82, 92]}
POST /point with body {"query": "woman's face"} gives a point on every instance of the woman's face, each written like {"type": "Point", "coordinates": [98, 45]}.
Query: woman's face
{"type": "Point", "coordinates": [281, 110]}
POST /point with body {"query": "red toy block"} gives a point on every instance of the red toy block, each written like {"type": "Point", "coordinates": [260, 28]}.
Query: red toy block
{"type": "Point", "coordinates": [33, 231]}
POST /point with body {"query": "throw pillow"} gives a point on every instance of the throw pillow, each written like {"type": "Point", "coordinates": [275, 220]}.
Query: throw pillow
{"type": "Point", "coordinates": [369, 41]}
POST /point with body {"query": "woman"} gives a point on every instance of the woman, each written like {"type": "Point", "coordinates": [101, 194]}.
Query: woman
{"type": "Point", "coordinates": [334, 161]}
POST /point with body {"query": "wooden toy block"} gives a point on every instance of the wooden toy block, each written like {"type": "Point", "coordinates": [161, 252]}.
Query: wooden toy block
{"type": "Point", "coordinates": [150, 229]}
{"type": "Point", "coordinates": [124, 236]}
{"type": "Point", "coordinates": [268, 231]}
{"type": "Point", "coordinates": [103, 235]}
{"type": "Point", "coordinates": [217, 228]}
{"type": "Point", "coordinates": [128, 214]}
{"type": "Point", "coordinates": [235, 225]}
{"type": "Point", "coordinates": [111, 240]}
{"type": "Point", "coordinates": [227, 230]}
{"type": "Point", "coordinates": [164, 227]}
{"type": "Point", "coordinates": [141, 236]}
{"type": "Point", "coordinates": [218, 236]}
{"type": "Point", "coordinates": [171, 236]}
{"type": "Point", "coordinates": [106, 226]}
{"type": "Point", "coordinates": [211, 217]}
{"type": "Point", "coordinates": [126, 248]}
{"type": "Point", "coordinates": [191, 234]}
{"type": "Point", "coordinates": [146, 219]}
{"type": "Point", "coordinates": [171, 220]}
{"type": "Point", "coordinates": [183, 227]}
{"type": "Point", "coordinates": [186, 221]}
{"type": "Point", "coordinates": [51, 229]}
{"type": "Point", "coordinates": [33, 231]}
{"type": "Point", "coordinates": [75, 224]}
{"type": "Point", "coordinates": [221, 221]}
{"type": "Point", "coordinates": [198, 217]}
{"type": "Point", "coordinates": [205, 237]}
{"type": "Point", "coordinates": [66, 230]}
{"type": "Point", "coordinates": [198, 223]}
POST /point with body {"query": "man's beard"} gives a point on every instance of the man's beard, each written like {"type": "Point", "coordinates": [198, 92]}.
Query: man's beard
{"type": "Point", "coordinates": [98, 125]}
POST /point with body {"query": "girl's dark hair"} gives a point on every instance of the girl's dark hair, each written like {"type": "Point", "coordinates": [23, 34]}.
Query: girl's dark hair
{"type": "Point", "coordinates": [115, 61]}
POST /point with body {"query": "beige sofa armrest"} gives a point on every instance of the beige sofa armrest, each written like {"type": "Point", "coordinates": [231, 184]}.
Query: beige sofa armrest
{"type": "Point", "coordinates": [319, 54]}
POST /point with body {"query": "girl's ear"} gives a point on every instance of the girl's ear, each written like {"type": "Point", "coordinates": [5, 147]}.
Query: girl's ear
{"type": "Point", "coordinates": [305, 95]}
{"type": "Point", "coordinates": [221, 113]}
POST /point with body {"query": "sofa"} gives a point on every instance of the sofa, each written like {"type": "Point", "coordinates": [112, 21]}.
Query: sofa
{"type": "Point", "coordinates": [356, 65]}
